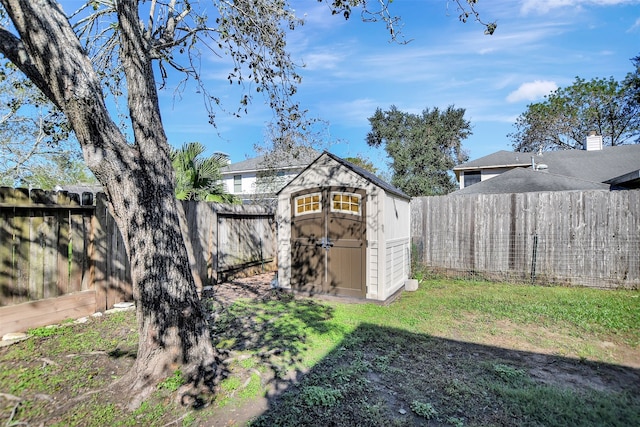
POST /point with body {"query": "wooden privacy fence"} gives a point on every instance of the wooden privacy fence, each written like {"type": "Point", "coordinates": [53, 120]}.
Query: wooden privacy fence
{"type": "Point", "coordinates": [45, 244]}
{"type": "Point", "coordinates": [228, 239]}
{"type": "Point", "coordinates": [588, 238]}
{"type": "Point", "coordinates": [62, 256]}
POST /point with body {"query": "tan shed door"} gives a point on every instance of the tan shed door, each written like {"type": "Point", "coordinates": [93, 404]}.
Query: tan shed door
{"type": "Point", "coordinates": [328, 243]}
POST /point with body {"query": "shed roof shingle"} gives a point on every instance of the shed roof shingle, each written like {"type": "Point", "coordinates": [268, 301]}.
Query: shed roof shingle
{"type": "Point", "coordinates": [360, 171]}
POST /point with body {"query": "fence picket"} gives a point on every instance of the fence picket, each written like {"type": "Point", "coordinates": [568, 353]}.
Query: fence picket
{"type": "Point", "coordinates": [7, 248]}
{"type": "Point", "coordinates": [589, 238]}
{"type": "Point", "coordinates": [35, 261]}
{"type": "Point", "coordinates": [63, 268]}
{"type": "Point", "coordinates": [77, 238]}
{"type": "Point", "coordinates": [50, 249]}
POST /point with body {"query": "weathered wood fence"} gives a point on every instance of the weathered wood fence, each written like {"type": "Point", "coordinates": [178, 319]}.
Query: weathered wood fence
{"type": "Point", "coordinates": [62, 256]}
{"type": "Point", "coordinates": [589, 238]}
{"type": "Point", "coordinates": [229, 239]}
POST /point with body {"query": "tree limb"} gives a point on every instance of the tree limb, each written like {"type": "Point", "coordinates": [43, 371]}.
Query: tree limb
{"type": "Point", "coordinates": [14, 49]}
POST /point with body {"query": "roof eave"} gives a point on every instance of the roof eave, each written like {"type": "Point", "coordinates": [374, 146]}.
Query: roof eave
{"type": "Point", "coordinates": [507, 165]}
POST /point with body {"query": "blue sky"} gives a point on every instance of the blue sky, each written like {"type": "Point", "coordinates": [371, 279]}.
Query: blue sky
{"type": "Point", "coordinates": [352, 68]}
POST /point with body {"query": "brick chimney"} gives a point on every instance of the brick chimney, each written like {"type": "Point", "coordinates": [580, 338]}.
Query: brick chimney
{"type": "Point", "coordinates": [593, 142]}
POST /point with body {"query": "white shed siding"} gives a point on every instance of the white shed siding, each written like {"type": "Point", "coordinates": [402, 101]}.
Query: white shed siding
{"type": "Point", "coordinates": [283, 220]}
{"type": "Point", "coordinates": [375, 235]}
{"type": "Point", "coordinates": [326, 173]}
{"type": "Point", "coordinates": [397, 267]}
{"type": "Point", "coordinates": [387, 224]}
{"type": "Point", "coordinates": [373, 286]}
{"type": "Point", "coordinates": [396, 221]}
{"type": "Point", "coordinates": [397, 243]}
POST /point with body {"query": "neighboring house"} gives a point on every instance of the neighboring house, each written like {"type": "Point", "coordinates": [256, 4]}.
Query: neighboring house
{"type": "Point", "coordinates": [87, 192]}
{"type": "Point", "coordinates": [595, 168]}
{"type": "Point", "coordinates": [259, 178]}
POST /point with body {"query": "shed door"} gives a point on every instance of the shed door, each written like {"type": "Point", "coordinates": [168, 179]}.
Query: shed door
{"type": "Point", "coordinates": [328, 232]}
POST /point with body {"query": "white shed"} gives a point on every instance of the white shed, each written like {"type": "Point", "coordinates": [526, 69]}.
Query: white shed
{"type": "Point", "coordinates": [343, 231]}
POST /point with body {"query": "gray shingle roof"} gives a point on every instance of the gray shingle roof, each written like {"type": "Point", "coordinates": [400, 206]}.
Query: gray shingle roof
{"type": "Point", "coordinates": [83, 188]}
{"type": "Point", "coordinates": [360, 171]}
{"type": "Point", "coordinates": [627, 180]}
{"type": "Point", "coordinates": [526, 180]}
{"type": "Point", "coordinates": [286, 161]}
{"type": "Point", "coordinates": [497, 160]}
{"type": "Point", "coordinates": [596, 166]}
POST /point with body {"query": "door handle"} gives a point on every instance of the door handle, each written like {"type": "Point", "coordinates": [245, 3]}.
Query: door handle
{"type": "Point", "coordinates": [324, 243]}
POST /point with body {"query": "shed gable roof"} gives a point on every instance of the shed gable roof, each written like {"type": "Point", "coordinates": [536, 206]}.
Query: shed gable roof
{"type": "Point", "coordinates": [357, 170]}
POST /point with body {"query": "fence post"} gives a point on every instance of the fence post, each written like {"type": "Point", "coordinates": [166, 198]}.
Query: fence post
{"type": "Point", "coordinates": [534, 258]}
{"type": "Point", "coordinates": [186, 227]}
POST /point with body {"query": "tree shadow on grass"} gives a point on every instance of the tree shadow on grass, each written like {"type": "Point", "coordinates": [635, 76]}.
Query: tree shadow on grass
{"type": "Point", "coordinates": [384, 376]}
{"type": "Point", "coordinates": [274, 329]}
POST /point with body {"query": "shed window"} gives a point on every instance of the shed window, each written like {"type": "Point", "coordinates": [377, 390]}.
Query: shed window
{"type": "Point", "coordinates": [309, 203]}
{"type": "Point", "coordinates": [345, 203]}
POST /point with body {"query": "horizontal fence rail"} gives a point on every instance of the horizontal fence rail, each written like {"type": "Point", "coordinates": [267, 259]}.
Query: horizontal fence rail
{"type": "Point", "coordinates": [589, 238]}
{"type": "Point", "coordinates": [61, 258]}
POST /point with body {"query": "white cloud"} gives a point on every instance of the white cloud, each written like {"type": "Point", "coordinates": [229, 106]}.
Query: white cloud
{"type": "Point", "coordinates": [354, 112]}
{"type": "Point", "coordinates": [635, 26]}
{"type": "Point", "coordinates": [544, 6]}
{"type": "Point", "coordinates": [532, 91]}
{"type": "Point", "coordinates": [321, 61]}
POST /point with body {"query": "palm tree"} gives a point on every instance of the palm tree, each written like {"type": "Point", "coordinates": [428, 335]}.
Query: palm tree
{"type": "Point", "coordinates": [199, 178]}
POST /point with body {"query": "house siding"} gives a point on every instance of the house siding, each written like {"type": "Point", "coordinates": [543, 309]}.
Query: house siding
{"type": "Point", "coordinates": [485, 174]}
{"type": "Point", "coordinates": [251, 183]}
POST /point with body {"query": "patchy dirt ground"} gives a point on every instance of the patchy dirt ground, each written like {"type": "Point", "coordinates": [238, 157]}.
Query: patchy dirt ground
{"type": "Point", "coordinates": [257, 287]}
{"type": "Point", "coordinates": [393, 374]}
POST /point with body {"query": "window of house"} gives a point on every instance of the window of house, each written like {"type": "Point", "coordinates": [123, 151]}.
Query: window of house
{"type": "Point", "coordinates": [345, 203]}
{"type": "Point", "coordinates": [471, 178]}
{"type": "Point", "coordinates": [309, 203]}
{"type": "Point", "coordinates": [237, 183]}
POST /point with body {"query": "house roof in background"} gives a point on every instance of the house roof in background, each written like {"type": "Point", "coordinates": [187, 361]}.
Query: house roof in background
{"type": "Point", "coordinates": [526, 180]}
{"type": "Point", "coordinates": [81, 188]}
{"type": "Point", "coordinates": [627, 180]}
{"type": "Point", "coordinates": [287, 160]}
{"type": "Point", "coordinates": [498, 159]}
{"type": "Point", "coordinates": [597, 166]}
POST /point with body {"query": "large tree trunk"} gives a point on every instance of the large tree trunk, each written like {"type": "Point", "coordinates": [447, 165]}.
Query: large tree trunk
{"type": "Point", "coordinates": [138, 179]}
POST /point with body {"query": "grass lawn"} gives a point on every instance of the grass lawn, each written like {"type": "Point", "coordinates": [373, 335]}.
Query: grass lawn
{"type": "Point", "coordinates": [456, 353]}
